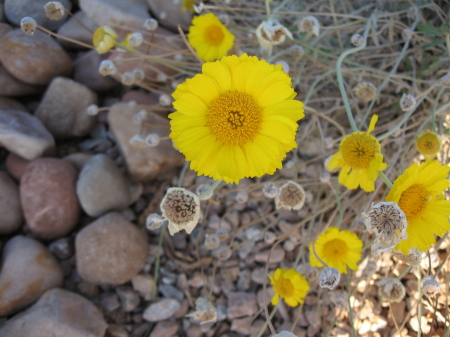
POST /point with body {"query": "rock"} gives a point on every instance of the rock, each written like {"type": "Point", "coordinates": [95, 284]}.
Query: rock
{"type": "Point", "coordinates": [50, 204]}
{"type": "Point", "coordinates": [4, 29]}
{"type": "Point", "coordinates": [111, 250]}
{"type": "Point", "coordinates": [143, 164]}
{"type": "Point", "coordinates": [241, 304]}
{"type": "Point", "coordinates": [78, 159]}
{"type": "Point", "coordinates": [62, 248]}
{"type": "Point", "coordinates": [27, 272]}
{"type": "Point", "coordinates": [110, 301]}
{"type": "Point", "coordinates": [11, 217]}
{"type": "Point", "coordinates": [16, 165]}
{"type": "Point", "coordinates": [242, 325]}
{"type": "Point", "coordinates": [276, 257]}
{"type": "Point", "coordinates": [115, 330]}
{"type": "Point", "coordinates": [161, 310]}
{"type": "Point", "coordinates": [73, 30]}
{"type": "Point", "coordinates": [11, 103]}
{"type": "Point", "coordinates": [86, 72]}
{"type": "Point", "coordinates": [11, 86]}
{"type": "Point", "coordinates": [170, 14]}
{"type": "Point", "coordinates": [143, 283]}
{"type": "Point", "coordinates": [129, 299]}
{"type": "Point", "coordinates": [102, 187]}
{"type": "Point", "coordinates": [35, 59]}
{"type": "Point", "coordinates": [63, 108]}
{"type": "Point", "coordinates": [170, 291]}
{"type": "Point", "coordinates": [58, 313]}
{"type": "Point", "coordinates": [24, 134]}
{"type": "Point", "coordinates": [15, 10]}
{"type": "Point", "coordinates": [140, 97]}
{"type": "Point", "coordinates": [165, 329]}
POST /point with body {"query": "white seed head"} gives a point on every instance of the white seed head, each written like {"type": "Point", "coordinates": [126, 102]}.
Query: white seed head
{"type": "Point", "coordinates": [161, 77]}
{"type": "Point", "coordinates": [325, 177]}
{"type": "Point", "coordinates": [270, 190]}
{"type": "Point", "coordinates": [138, 75]}
{"type": "Point", "coordinates": [407, 34]}
{"type": "Point", "coordinates": [212, 241]}
{"type": "Point", "coordinates": [430, 286]}
{"type": "Point", "coordinates": [163, 15]}
{"type": "Point", "coordinates": [154, 221]}
{"type": "Point", "coordinates": [297, 51]}
{"type": "Point", "coordinates": [107, 67]}
{"type": "Point", "coordinates": [178, 57]}
{"type": "Point", "coordinates": [205, 311]}
{"type": "Point", "coordinates": [198, 8]}
{"type": "Point", "coordinates": [135, 39]}
{"type": "Point", "coordinates": [223, 234]}
{"type": "Point", "coordinates": [165, 100]}
{"type": "Point", "coordinates": [241, 197]}
{"type": "Point", "coordinates": [309, 24]}
{"type": "Point", "coordinates": [365, 91]}
{"type": "Point", "coordinates": [127, 78]}
{"type": "Point", "coordinates": [92, 110]}
{"type": "Point", "coordinates": [329, 278]}
{"type": "Point", "coordinates": [28, 25]}
{"type": "Point", "coordinates": [54, 10]}
{"type": "Point", "coordinates": [182, 208]}
{"type": "Point", "coordinates": [202, 189]}
{"type": "Point", "coordinates": [152, 140]}
{"type": "Point", "coordinates": [407, 102]}
{"type": "Point", "coordinates": [340, 299]}
{"type": "Point", "coordinates": [284, 66]}
{"type": "Point", "coordinates": [139, 117]}
{"type": "Point", "coordinates": [224, 18]}
{"type": "Point", "coordinates": [291, 196]}
{"type": "Point", "coordinates": [137, 140]}
{"type": "Point", "coordinates": [413, 257]}
{"type": "Point", "coordinates": [391, 289]}
{"type": "Point", "coordinates": [271, 33]}
{"type": "Point", "coordinates": [151, 24]}
{"type": "Point", "coordinates": [357, 40]}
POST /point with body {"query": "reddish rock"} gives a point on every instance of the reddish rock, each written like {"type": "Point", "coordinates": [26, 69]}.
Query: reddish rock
{"type": "Point", "coordinates": [10, 209]}
{"type": "Point", "coordinates": [16, 165]}
{"type": "Point", "coordinates": [50, 204]}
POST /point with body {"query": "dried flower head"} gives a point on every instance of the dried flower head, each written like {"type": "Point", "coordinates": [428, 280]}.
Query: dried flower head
{"type": "Point", "coordinates": [407, 102]}
{"type": "Point", "coordinates": [340, 299]}
{"type": "Point", "coordinates": [224, 18]}
{"type": "Point", "coordinates": [201, 189]}
{"type": "Point", "coordinates": [138, 75]}
{"type": "Point", "coordinates": [212, 241]}
{"type": "Point", "coordinates": [391, 289]}
{"type": "Point", "coordinates": [297, 51]}
{"type": "Point", "coordinates": [365, 91]}
{"type": "Point", "coordinates": [139, 117]}
{"type": "Point", "coordinates": [92, 110]}
{"type": "Point", "coordinates": [28, 25]}
{"type": "Point", "coordinates": [329, 278]}
{"type": "Point", "coordinates": [127, 78]}
{"type": "Point", "coordinates": [241, 197]}
{"type": "Point", "coordinates": [413, 257]}
{"type": "Point", "coordinates": [291, 196]}
{"type": "Point", "coordinates": [151, 24]}
{"type": "Point", "coordinates": [205, 311]}
{"type": "Point", "coordinates": [107, 67]}
{"type": "Point", "coordinates": [182, 208]}
{"type": "Point", "coordinates": [161, 77]}
{"type": "Point", "coordinates": [154, 221]}
{"type": "Point", "coordinates": [270, 189]}
{"type": "Point", "coordinates": [407, 34]}
{"type": "Point", "coordinates": [429, 144]}
{"type": "Point", "coordinates": [152, 140]}
{"type": "Point", "coordinates": [271, 33]}
{"type": "Point", "coordinates": [430, 286]}
{"type": "Point", "coordinates": [357, 40]}
{"type": "Point", "coordinates": [309, 24]}
{"type": "Point", "coordinates": [54, 10]}
{"type": "Point", "coordinates": [137, 140]}
{"type": "Point", "coordinates": [104, 39]}
{"type": "Point", "coordinates": [133, 40]}
{"type": "Point", "coordinates": [165, 100]}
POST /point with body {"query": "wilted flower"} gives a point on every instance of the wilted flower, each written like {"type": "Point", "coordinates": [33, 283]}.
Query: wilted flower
{"type": "Point", "coordinates": [152, 140]}
{"type": "Point", "coordinates": [270, 190]}
{"type": "Point", "coordinates": [297, 51]}
{"type": "Point", "coordinates": [357, 40]}
{"type": "Point", "coordinates": [329, 278]}
{"type": "Point", "coordinates": [28, 25]}
{"type": "Point", "coordinates": [54, 10]}
{"type": "Point", "coordinates": [104, 39]}
{"type": "Point", "coordinates": [154, 221]}
{"type": "Point", "coordinates": [365, 91]}
{"type": "Point", "coordinates": [291, 196]}
{"type": "Point", "coordinates": [430, 286]}
{"type": "Point", "coordinates": [271, 33]}
{"type": "Point", "coordinates": [151, 24]}
{"type": "Point", "coordinates": [309, 24]}
{"type": "Point", "coordinates": [205, 311]}
{"type": "Point", "coordinates": [407, 102]}
{"type": "Point", "coordinates": [429, 144]}
{"type": "Point", "coordinates": [413, 257]}
{"type": "Point", "coordinates": [107, 67]}
{"type": "Point", "coordinates": [391, 289]}
{"type": "Point", "coordinates": [133, 40]}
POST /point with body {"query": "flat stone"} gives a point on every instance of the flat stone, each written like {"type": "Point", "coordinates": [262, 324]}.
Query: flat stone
{"type": "Point", "coordinates": [242, 325]}
{"type": "Point", "coordinates": [58, 313]}
{"type": "Point", "coordinates": [143, 164]}
{"type": "Point", "coordinates": [16, 165]}
{"type": "Point", "coordinates": [129, 299]}
{"type": "Point", "coordinates": [11, 217]}
{"type": "Point", "coordinates": [50, 204]}
{"type": "Point", "coordinates": [4, 28]}
{"type": "Point", "coordinates": [170, 14]}
{"type": "Point", "coordinates": [102, 187]}
{"type": "Point", "coordinates": [11, 86]}
{"type": "Point", "coordinates": [24, 134]}
{"type": "Point", "coordinates": [165, 329]}
{"type": "Point", "coordinates": [73, 30]}
{"type": "Point", "coordinates": [241, 304]}
{"type": "Point", "coordinates": [143, 283]}
{"type": "Point", "coordinates": [27, 272]}
{"type": "Point", "coordinates": [276, 257]}
{"type": "Point", "coordinates": [161, 310]}
{"type": "Point", "coordinates": [111, 250]}
{"type": "Point", "coordinates": [34, 59]}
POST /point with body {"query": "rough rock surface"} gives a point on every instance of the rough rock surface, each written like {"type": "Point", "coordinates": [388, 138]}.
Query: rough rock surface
{"type": "Point", "coordinates": [10, 208]}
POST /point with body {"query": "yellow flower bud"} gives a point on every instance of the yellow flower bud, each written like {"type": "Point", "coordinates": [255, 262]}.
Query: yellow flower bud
{"type": "Point", "coordinates": [104, 39]}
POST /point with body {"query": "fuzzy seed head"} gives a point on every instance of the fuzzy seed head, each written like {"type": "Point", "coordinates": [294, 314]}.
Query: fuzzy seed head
{"type": "Point", "coordinates": [309, 24]}
{"type": "Point", "coordinates": [329, 278]}
{"type": "Point", "coordinates": [92, 110]}
{"type": "Point", "coordinates": [28, 25]}
{"type": "Point", "coordinates": [137, 140]}
{"type": "Point", "coordinates": [297, 51]}
{"type": "Point", "coordinates": [205, 311]}
{"type": "Point", "coordinates": [391, 289]}
{"type": "Point", "coordinates": [54, 10]}
{"type": "Point", "coordinates": [407, 34]}
{"type": "Point", "coordinates": [357, 40]}
{"type": "Point", "coordinates": [135, 39]}
{"type": "Point", "coordinates": [241, 197]}
{"type": "Point", "coordinates": [154, 221]}
{"type": "Point", "coordinates": [212, 241]}
{"type": "Point", "coordinates": [387, 221]}
{"type": "Point", "coordinates": [152, 140]}
{"type": "Point", "coordinates": [270, 190]}
{"type": "Point", "coordinates": [407, 102]}
{"type": "Point", "coordinates": [365, 91]}
{"type": "Point", "coordinates": [290, 197]}
{"type": "Point", "coordinates": [150, 24]}
{"type": "Point", "coordinates": [325, 177]}
{"type": "Point", "coordinates": [271, 33]}
{"type": "Point", "coordinates": [161, 77]}
{"type": "Point", "coordinates": [107, 67]}
{"type": "Point", "coordinates": [202, 189]}
{"type": "Point", "coordinates": [165, 100]}
{"type": "Point", "coordinates": [127, 78]}
{"type": "Point", "coordinates": [138, 75]}
{"type": "Point", "coordinates": [139, 117]}
{"type": "Point", "coordinates": [413, 257]}
{"type": "Point", "coordinates": [430, 286]}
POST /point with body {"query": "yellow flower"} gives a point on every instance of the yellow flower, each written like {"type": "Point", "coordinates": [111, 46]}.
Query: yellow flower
{"type": "Point", "coordinates": [188, 5]}
{"type": "Point", "coordinates": [360, 158]}
{"type": "Point", "coordinates": [290, 285]}
{"type": "Point", "coordinates": [419, 192]}
{"type": "Point", "coordinates": [104, 39]}
{"type": "Point", "coordinates": [429, 144]}
{"type": "Point", "coordinates": [209, 37]}
{"type": "Point", "coordinates": [338, 249]}
{"type": "Point", "coordinates": [237, 119]}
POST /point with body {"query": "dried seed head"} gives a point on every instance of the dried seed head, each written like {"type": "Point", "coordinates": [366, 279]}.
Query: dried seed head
{"type": "Point", "coordinates": [357, 40]}
{"type": "Point", "coordinates": [107, 67]}
{"type": "Point", "coordinates": [309, 24]}
{"type": "Point", "coordinates": [365, 91]}
{"type": "Point", "coordinates": [407, 102]}
{"type": "Point", "coordinates": [224, 18]}
{"type": "Point", "coordinates": [212, 241]}
{"type": "Point", "coordinates": [178, 57]}
{"type": "Point", "coordinates": [165, 100]}
{"type": "Point", "coordinates": [198, 8]}
{"type": "Point", "coordinates": [154, 221]}
{"type": "Point", "coordinates": [340, 299]}
{"type": "Point", "coordinates": [284, 66]}
{"type": "Point", "coordinates": [151, 24]}
{"type": "Point", "coordinates": [205, 311]}
{"type": "Point", "coordinates": [445, 81]}
{"type": "Point", "coordinates": [391, 289]}
{"type": "Point", "coordinates": [182, 208]}
{"type": "Point", "coordinates": [152, 140]}
{"type": "Point", "coordinates": [138, 75]}
{"type": "Point", "coordinates": [270, 190]}
{"type": "Point", "coordinates": [241, 197]}
{"type": "Point", "coordinates": [329, 278]}
{"type": "Point", "coordinates": [202, 189]}
{"type": "Point", "coordinates": [271, 33]}
{"type": "Point", "coordinates": [137, 140]}
{"type": "Point", "coordinates": [325, 177]}
{"type": "Point", "coordinates": [413, 257]}
{"type": "Point", "coordinates": [430, 286]}
{"type": "Point", "coordinates": [134, 39]}
{"type": "Point", "coordinates": [92, 110]}
{"type": "Point", "coordinates": [54, 10]}
{"type": "Point", "coordinates": [161, 77]}
{"type": "Point", "coordinates": [291, 196]}
{"type": "Point", "coordinates": [139, 117]}
{"type": "Point", "coordinates": [297, 51]}
{"type": "Point", "coordinates": [127, 78]}
{"type": "Point", "coordinates": [28, 25]}
{"type": "Point", "coordinates": [407, 34]}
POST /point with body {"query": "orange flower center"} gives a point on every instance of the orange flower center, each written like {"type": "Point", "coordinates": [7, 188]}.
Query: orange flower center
{"type": "Point", "coordinates": [214, 35]}
{"type": "Point", "coordinates": [284, 287]}
{"type": "Point", "coordinates": [358, 149]}
{"type": "Point", "coordinates": [413, 201]}
{"type": "Point", "coordinates": [335, 249]}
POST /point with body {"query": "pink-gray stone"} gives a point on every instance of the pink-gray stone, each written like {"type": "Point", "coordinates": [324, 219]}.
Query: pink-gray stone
{"type": "Point", "coordinates": [241, 304]}
{"type": "Point", "coordinates": [11, 217]}
{"type": "Point", "coordinates": [11, 86]}
{"type": "Point", "coordinates": [161, 310]}
{"type": "Point", "coordinates": [73, 30]}
{"type": "Point", "coordinates": [170, 14]}
{"type": "Point", "coordinates": [16, 165]}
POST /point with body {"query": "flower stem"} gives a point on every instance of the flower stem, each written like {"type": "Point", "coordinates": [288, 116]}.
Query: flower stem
{"type": "Point", "coordinates": [157, 262]}
{"type": "Point", "coordinates": [405, 271]}
{"type": "Point", "coordinates": [272, 313]}
{"type": "Point", "coordinates": [317, 256]}
{"type": "Point", "coordinates": [268, 9]}
{"type": "Point", "coordinates": [212, 188]}
{"type": "Point", "coordinates": [386, 180]}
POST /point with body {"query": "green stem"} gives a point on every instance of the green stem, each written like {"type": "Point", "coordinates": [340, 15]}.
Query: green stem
{"type": "Point", "coordinates": [317, 256]}
{"type": "Point", "coordinates": [405, 271]}
{"type": "Point", "coordinates": [268, 9]}
{"type": "Point", "coordinates": [157, 262]}
{"type": "Point", "coordinates": [386, 180]}
{"type": "Point", "coordinates": [350, 313]}
{"type": "Point", "coordinates": [212, 188]}
{"type": "Point", "coordinates": [433, 112]}
{"type": "Point", "coordinates": [272, 313]}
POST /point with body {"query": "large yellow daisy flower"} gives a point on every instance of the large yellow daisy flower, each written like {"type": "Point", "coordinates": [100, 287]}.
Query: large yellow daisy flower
{"type": "Point", "coordinates": [338, 249]}
{"type": "Point", "coordinates": [419, 192]}
{"type": "Point", "coordinates": [290, 285]}
{"type": "Point", "coordinates": [209, 37]}
{"type": "Point", "coordinates": [237, 119]}
{"type": "Point", "coordinates": [360, 158]}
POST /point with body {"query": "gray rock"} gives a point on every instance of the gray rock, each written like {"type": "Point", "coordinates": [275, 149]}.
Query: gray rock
{"type": "Point", "coordinates": [110, 301]}
{"type": "Point", "coordinates": [102, 187]}
{"type": "Point", "coordinates": [129, 299]}
{"type": "Point", "coordinates": [11, 86]}
{"type": "Point", "coordinates": [73, 30]}
{"type": "Point", "coordinates": [47, 191]}
{"type": "Point", "coordinates": [143, 283]}
{"type": "Point", "coordinates": [62, 248]}
{"type": "Point", "coordinates": [34, 59]}
{"type": "Point", "coordinates": [276, 257]}
{"type": "Point", "coordinates": [161, 310]}
{"type": "Point", "coordinates": [143, 164]}
{"type": "Point", "coordinates": [4, 28]}
{"type": "Point", "coordinates": [170, 291]}
{"type": "Point", "coordinates": [15, 10]}
{"type": "Point", "coordinates": [58, 313]}
{"type": "Point", "coordinates": [63, 108]}
{"type": "Point", "coordinates": [11, 217]}
{"type": "Point", "coordinates": [27, 272]}
{"type": "Point", "coordinates": [111, 250]}
{"type": "Point", "coordinates": [78, 159]}
{"type": "Point", "coordinates": [24, 134]}
{"type": "Point", "coordinates": [16, 165]}
{"type": "Point", "coordinates": [165, 329]}
{"type": "Point", "coordinates": [170, 14]}
{"type": "Point", "coordinates": [241, 304]}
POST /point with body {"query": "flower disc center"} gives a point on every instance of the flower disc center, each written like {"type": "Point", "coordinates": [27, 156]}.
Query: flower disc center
{"type": "Point", "coordinates": [413, 201]}
{"type": "Point", "coordinates": [214, 35]}
{"type": "Point", "coordinates": [234, 118]}
{"type": "Point", "coordinates": [358, 149]}
{"type": "Point", "coordinates": [335, 249]}
{"type": "Point", "coordinates": [284, 287]}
